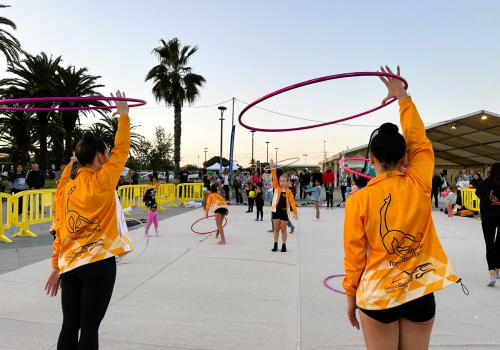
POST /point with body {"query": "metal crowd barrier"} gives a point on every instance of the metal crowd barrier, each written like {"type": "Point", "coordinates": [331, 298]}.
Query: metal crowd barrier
{"type": "Point", "coordinates": [469, 199]}
{"type": "Point", "coordinates": [23, 209]}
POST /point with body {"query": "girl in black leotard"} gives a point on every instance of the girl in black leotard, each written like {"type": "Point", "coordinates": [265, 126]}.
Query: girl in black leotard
{"type": "Point", "coordinates": [259, 201]}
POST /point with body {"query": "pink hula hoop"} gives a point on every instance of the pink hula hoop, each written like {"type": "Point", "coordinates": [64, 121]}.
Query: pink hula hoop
{"type": "Point", "coordinates": [327, 286]}
{"type": "Point", "coordinates": [314, 81]}
{"type": "Point", "coordinates": [55, 99]}
{"type": "Point", "coordinates": [204, 233]}
{"type": "Point", "coordinates": [341, 163]}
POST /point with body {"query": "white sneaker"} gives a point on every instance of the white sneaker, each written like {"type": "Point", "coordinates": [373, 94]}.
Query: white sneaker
{"type": "Point", "coordinates": [492, 281]}
{"type": "Point", "coordinates": [497, 275]}
{"type": "Point", "coordinates": [315, 219]}
{"type": "Point", "coordinates": [450, 218]}
{"type": "Point", "coordinates": [147, 235]}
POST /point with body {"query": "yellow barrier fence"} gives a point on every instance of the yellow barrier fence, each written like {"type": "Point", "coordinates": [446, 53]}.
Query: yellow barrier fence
{"type": "Point", "coordinates": [5, 215]}
{"type": "Point", "coordinates": [37, 207]}
{"type": "Point", "coordinates": [469, 199]}
{"type": "Point", "coordinates": [190, 191]}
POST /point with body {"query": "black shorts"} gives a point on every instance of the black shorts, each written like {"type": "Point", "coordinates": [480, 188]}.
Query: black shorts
{"type": "Point", "coordinates": [222, 211]}
{"type": "Point", "coordinates": [419, 310]}
{"type": "Point", "coordinates": [280, 215]}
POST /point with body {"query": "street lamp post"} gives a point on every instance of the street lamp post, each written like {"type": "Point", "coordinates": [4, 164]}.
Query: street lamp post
{"type": "Point", "coordinates": [305, 162]}
{"type": "Point", "coordinates": [276, 161]}
{"type": "Point", "coordinates": [204, 164]}
{"type": "Point", "coordinates": [221, 109]}
{"type": "Point", "coordinates": [267, 157]}
{"type": "Point", "coordinates": [198, 161]}
{"type": "Point", "coordinates": [324, 148]}
{"type": "Point", "coordinates": [253, 133]}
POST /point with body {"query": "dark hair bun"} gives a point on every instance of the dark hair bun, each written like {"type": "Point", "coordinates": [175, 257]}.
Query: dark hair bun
{"type": "Point", "coordinates": [88, 137]}
{"type": "Point", "coordinates": [388, 128]}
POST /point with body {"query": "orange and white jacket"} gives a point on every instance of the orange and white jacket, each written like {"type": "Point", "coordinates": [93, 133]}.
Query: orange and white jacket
{"type": "Point", "coordinates": [63, 180]}
{"type": "Point", "coordinates": [89, 220]}
{"type": "Point", "coordinates": [290, 200]}
{"type": "Point", "coordinates": [217, 201]}
{"type": "Point", "coordinates": [392, 252]}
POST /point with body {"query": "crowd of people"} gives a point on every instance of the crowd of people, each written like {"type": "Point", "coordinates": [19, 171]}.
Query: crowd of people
{"type": "Point", "coordinates": [384, 234]}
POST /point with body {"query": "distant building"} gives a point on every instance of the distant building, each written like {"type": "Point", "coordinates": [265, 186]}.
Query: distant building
{"type": "Point", "coordinates": [471, 141]}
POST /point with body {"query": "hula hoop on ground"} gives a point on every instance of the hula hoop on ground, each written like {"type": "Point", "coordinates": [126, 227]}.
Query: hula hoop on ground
{"type": "Point", "coordinates": [4, 155]}
{"type": "Point", "coordinates": [327, 286]}
{"type": "Point", "coordinates": [341, 163]}
{"type": "Point", "coordinates": [55, 99]}
{"type": "Point", "coordinates": [283, 166]}
{"type": "Point", "coordinates": [314, 81]}
{"type": "Point", "coordinates": [147, 242]}
{"type": "Point", "coordinates": [204, 233]}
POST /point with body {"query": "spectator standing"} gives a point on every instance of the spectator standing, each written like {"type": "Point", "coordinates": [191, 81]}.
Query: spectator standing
{"type": "Point", "coordinates": [317, 177]}
{"type": "Point", "coordinates": [328, 176]}
{"type": "Point", "coordinates": [461, 172]}
{"type": "Point", "coordinates": [225, 183]}
{"type": "Point", "coordinates": [183, 177]}
{"type": "Point", "coordinates": [436, 185]}
{"type": "Point", "coordinates": [308, 177]}
{"type": "Point", "coordinates": [343, 185]}
{"type": "Point", "coordinates": [471, 175]}
{"type": "Point", "coordinates": [488, 193]}
{"type": "Point", "coordinates": [268, 184]}
{"type": "Point", "coordinates": [476, 180]}
{"type": "Point", "coordinates": [135, 177]}
{"type": "Point", "coordinates": [303, 183]}
{"type": "Point", "coordinates": [17, 183]}
{"type": "Point", "coordinates": [35, 179]}
{"type": "Point", "coordinates": [128, 178]}
{"type": "Point", "coordinates": [462, 183]}
{"type": "Point", "coordinates": [60, 171]}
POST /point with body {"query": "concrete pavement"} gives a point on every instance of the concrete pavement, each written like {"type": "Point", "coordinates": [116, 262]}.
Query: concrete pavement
{"type": "Point", "coordinates": [187, 292]}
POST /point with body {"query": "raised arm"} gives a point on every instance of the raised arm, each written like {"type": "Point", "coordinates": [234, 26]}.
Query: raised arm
{"type": "Point", "coordinates": [276, 181]}
{"type": "Point", "coordinates": [418, 146]}
{"type": "Point", "coordinates": [111, 171]}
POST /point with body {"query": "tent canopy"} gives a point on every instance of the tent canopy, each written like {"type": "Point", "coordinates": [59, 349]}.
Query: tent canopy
{"type": "Point", "coordinates": [216, 166]}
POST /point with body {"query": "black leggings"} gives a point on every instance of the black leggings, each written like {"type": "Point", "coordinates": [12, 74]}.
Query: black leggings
{"type": "Point", "coordinates": [85, 295]}
{"type": "Point", "coordinates": [226, 190]}
{"type": "Point", "coordinates": [329, 200]}
{"type": "Point", "coordinates": [260, 209]}
{"type": "Point", "coordinates": [250, 203]}
{"type": "Point", "coordinates": [490, 226]}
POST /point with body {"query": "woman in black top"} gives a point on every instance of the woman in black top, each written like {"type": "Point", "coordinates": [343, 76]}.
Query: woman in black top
{"type": "Point", "coordinates": [488, 192]}
{"type": "Point", "coordinates": [259, 201]}
{"type": "Point", "coordinates": [476, 180]}
{"type": "Point", "coordinates": [206, 184]}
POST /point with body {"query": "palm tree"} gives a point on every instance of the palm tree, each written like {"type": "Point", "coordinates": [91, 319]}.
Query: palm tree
{"type": "Point", "coordinates": [18, 132]}
{"type": "Point", "coordinates": [9, 45]}
{"type": "Point", "coordinates": [70, 82]}
{"type": "Point", "coordinates": [33, 79]}
{"type": "Point", "coordinates": [175, 84]}
{"type": "Point", "coordinates": [109, 126]}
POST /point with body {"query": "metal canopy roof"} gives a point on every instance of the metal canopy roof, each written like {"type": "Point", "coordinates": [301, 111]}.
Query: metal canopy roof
{"type": "Point", "coordinates": [467, 140]}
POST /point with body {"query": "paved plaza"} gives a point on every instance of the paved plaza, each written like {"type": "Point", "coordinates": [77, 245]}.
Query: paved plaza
{"type": "Point", "coordinates": [187, 292]}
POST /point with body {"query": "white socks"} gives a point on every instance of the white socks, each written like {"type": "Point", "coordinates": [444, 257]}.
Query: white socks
{"type": "Point", "coordinates": [492, 281]}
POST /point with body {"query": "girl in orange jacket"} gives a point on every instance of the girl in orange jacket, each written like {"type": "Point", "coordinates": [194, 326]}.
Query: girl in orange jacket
{"type": "Point", "coordinates": [91, 230]}
{"type": "Point", "coordinates": [393, 258]}
{"type": "Point", "coordinates": [220, 210]}
{"type": "Point", "coordinates": [282, 200]}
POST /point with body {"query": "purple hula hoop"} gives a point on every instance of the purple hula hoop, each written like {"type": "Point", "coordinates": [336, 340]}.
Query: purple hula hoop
{"type": "Point", "coordinates": [327, 286]}
{"type": "Point", "coordinates": [55, 99]}
{"type": "Point", "coordinates": [314, 81]}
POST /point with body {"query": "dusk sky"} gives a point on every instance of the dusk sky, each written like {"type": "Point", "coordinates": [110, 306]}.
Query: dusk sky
{"type": "Point", "coordinates": [448, 51]}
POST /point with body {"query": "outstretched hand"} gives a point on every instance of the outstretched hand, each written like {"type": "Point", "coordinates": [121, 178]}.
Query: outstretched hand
{"type": "Point", "coordinates": [395, 86]}
{"type": "Point", "coordinates": [271, 163]}
{"type": "Point", "coordinates": [121, 106]}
